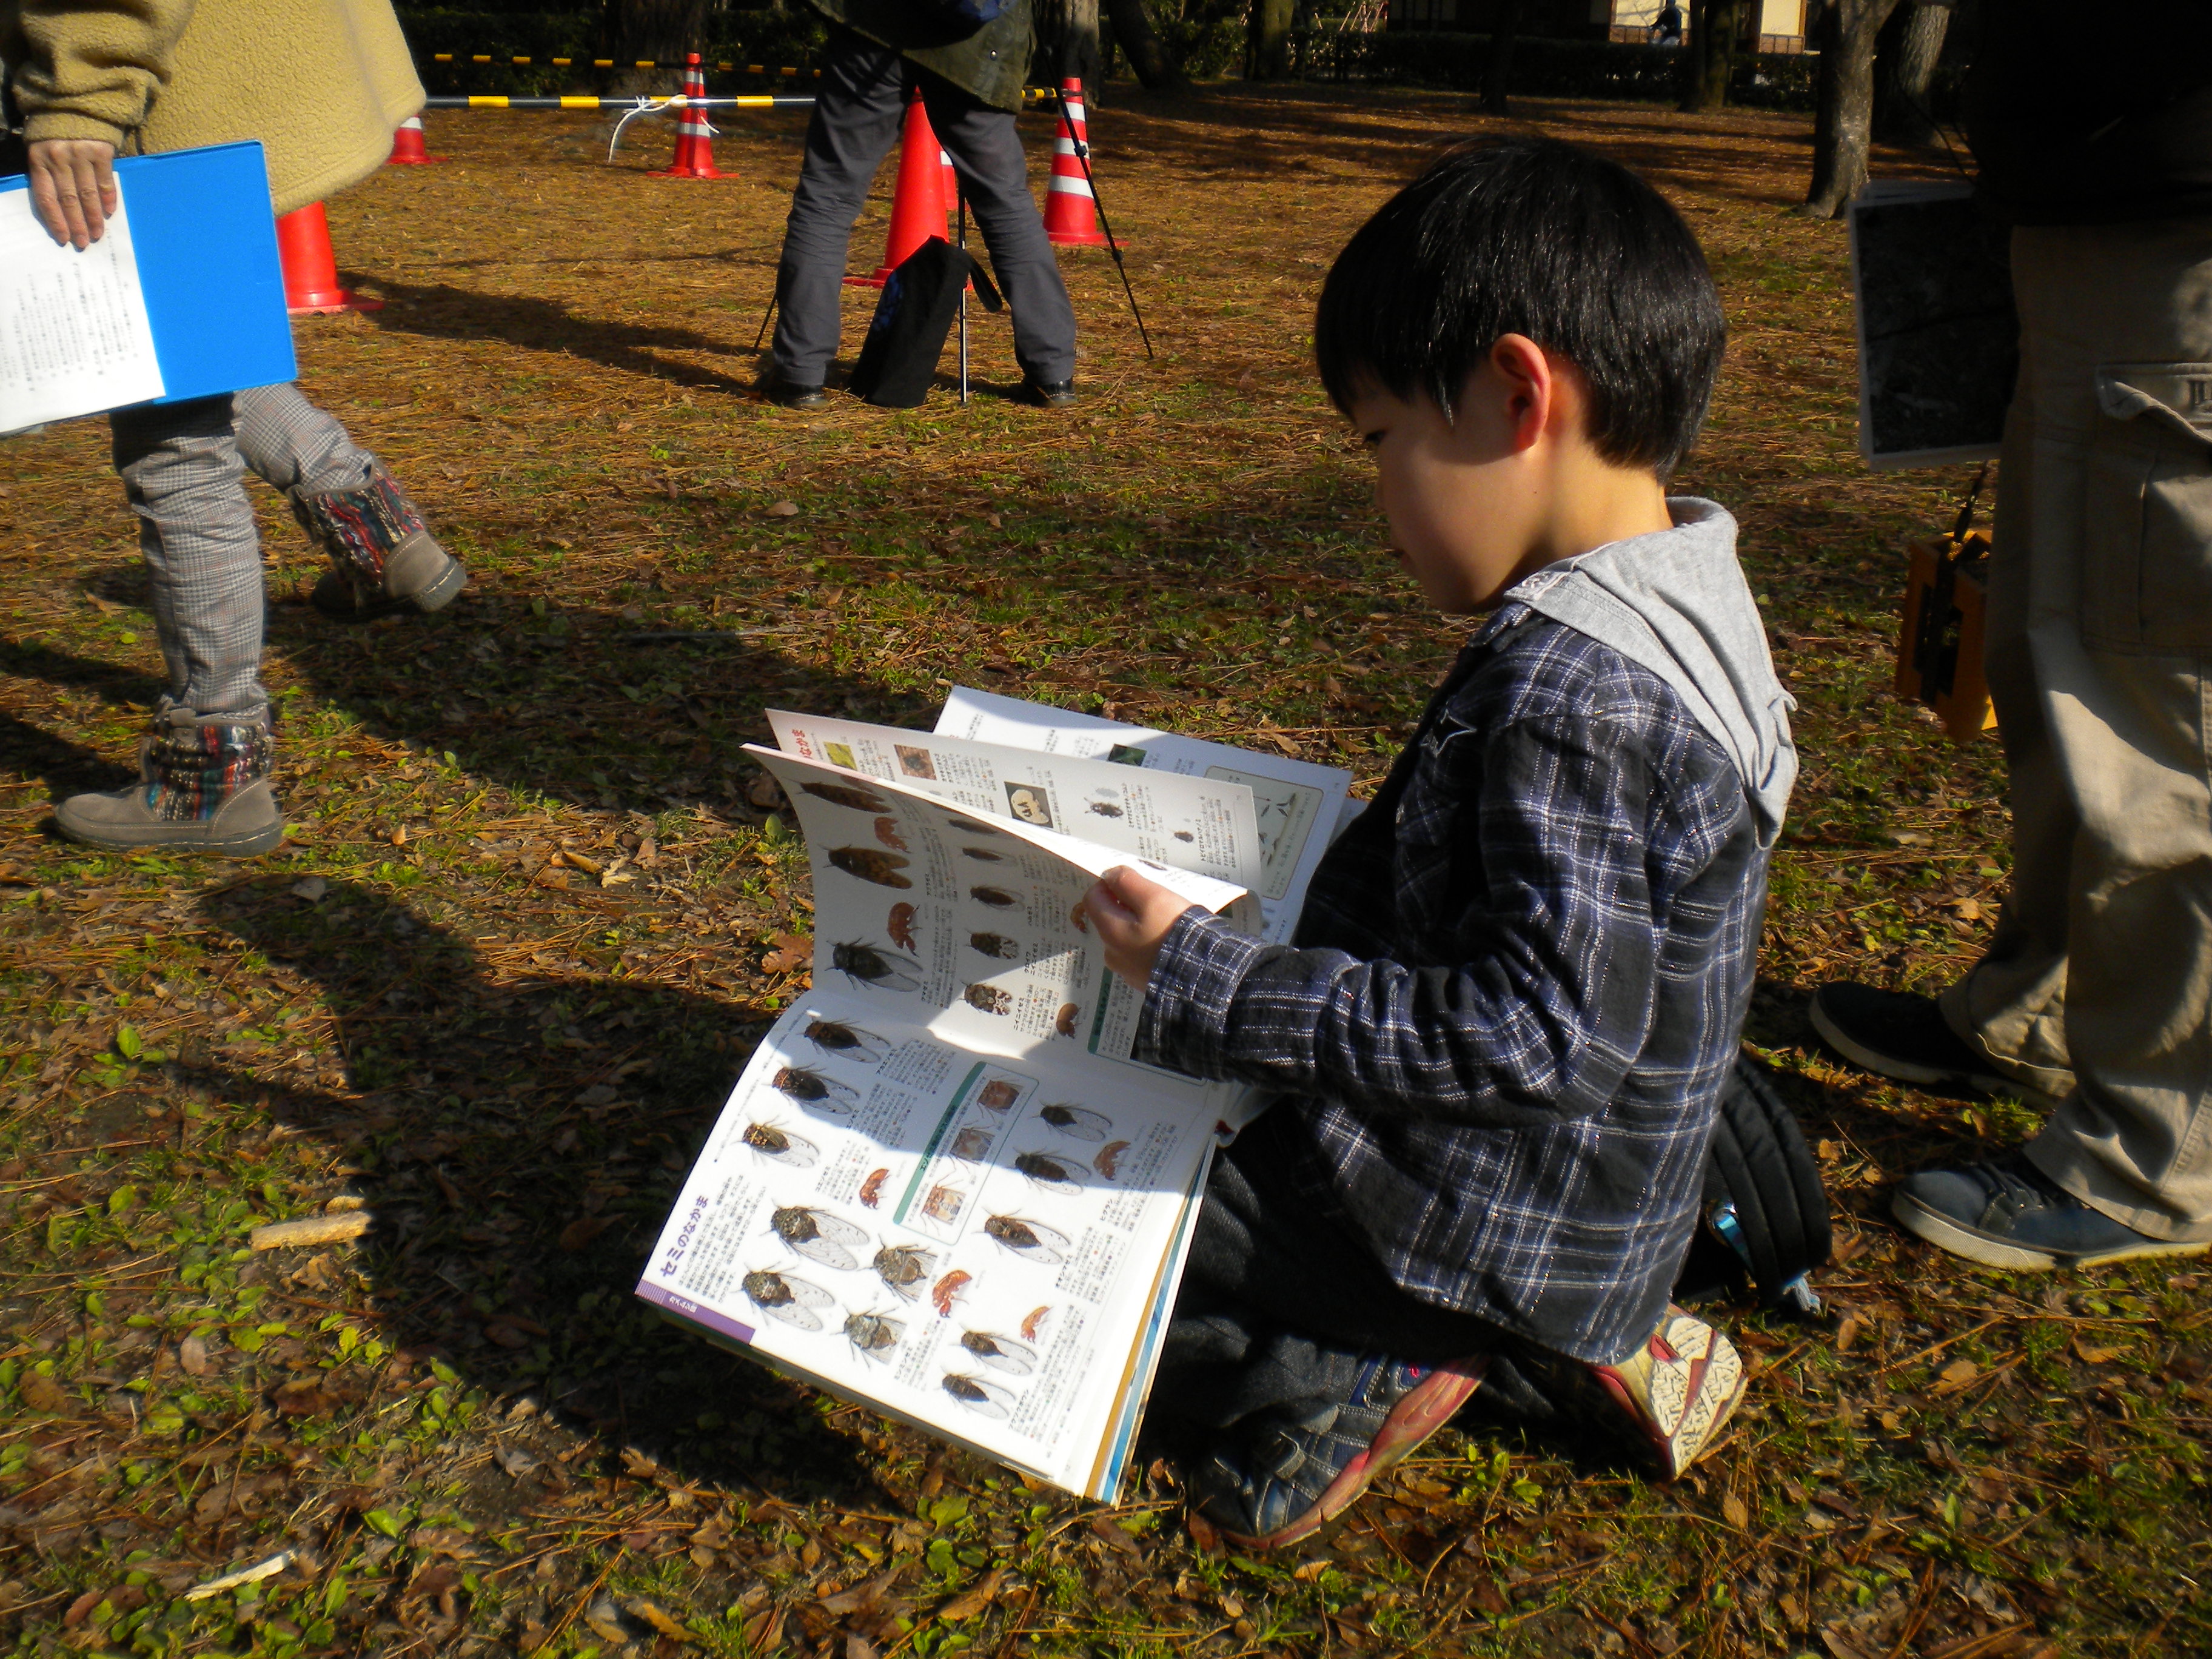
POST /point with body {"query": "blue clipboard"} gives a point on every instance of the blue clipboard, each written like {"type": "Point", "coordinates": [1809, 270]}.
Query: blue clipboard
{"type": "Point", "coordinates": [206, 241]}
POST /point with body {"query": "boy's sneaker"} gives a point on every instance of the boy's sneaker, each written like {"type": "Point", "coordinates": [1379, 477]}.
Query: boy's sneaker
{"type": "Point", "coordinates": [1283, 1473]}
{"type": "Point", "coordinates": [205, 785]}
{"type": "Point", "coordinates": [1896, 1034]}
{"type": "Point", "coordinates": [383, 557]}
{"type": "Point", "coordinates": [1669, 1398]}
{"type": "Point", "coordinates": [2007, 1213]}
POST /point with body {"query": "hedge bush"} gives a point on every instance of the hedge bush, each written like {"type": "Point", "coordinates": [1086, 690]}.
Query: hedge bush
{"type": "Point", "coordinates": [1548, 68]}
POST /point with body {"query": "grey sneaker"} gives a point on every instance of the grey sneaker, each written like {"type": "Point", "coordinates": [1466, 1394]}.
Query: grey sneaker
{"type": "Point", "coordinates": [383, 556]}
{"type": "Point", "coordinates": [2007, 1213]}
{"type": "Point", "coordinates": [205, 785]}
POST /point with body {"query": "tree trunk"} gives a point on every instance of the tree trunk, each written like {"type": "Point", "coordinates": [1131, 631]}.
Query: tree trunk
{"type": "Point", "coordinates": [663, 30]}
{"type": "Point", "coordinates": [1709, 55]}
{"type": "Point", "coordinates": [1497, 72]}
{"type": "Point", "coordinates": [1268, 54]}
{"type": "Point", "coordinates": [1905, 54]}
{"type": "Point", "coordinates": [1843, 125]}
{"type": "Point", "coordinates": [1156, 67]}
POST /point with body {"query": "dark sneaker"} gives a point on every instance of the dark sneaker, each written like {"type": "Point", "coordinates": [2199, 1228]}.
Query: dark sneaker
{"type": "Point", "coordinates": [383, 557]}
{"type": "Point", "coordinates": [2007, 1213]}
{"type": "Point", "coordinates": [1280, 1478]}
{"type": "Point", "coordinates": [1670, 1399]}
{"type": "Point", "coordinates": [1897, 1034]}
{"type": "Point", "coordinates": [1049, 394]}
{"type": "Point", "coordinates": [791, 396]}
{"type": "Point", "coordinates": [205, 786]}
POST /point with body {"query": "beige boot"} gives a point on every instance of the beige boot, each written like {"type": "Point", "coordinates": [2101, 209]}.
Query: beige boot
{"type": "Point", "coordinates": [206, 784]}
{"type": "Point", "coordinates": [383, 557]}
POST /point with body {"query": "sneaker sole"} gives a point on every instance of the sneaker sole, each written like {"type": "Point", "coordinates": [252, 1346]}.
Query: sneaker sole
{"type": "Point", "coordinates": [233, 847]}
{"type": "Point", "coordinates": [1945, 1234]}
{"type": "Point", "coordinates": [1427, 1407]}
{"type": "Point", "coordinates": [1904, 1071]}
{"type": "Point", "coordinates": [1722, 1370]}
{"type": "Point", "coordinates": [441, 593]}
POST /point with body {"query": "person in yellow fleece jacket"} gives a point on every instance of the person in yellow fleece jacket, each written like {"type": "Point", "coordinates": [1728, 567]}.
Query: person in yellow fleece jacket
{"type": "Point", "coordinates": [321, 84]}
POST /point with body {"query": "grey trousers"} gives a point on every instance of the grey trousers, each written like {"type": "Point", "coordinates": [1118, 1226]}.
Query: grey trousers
{"type": "Point", "coordinates": [860, 104]}
{"type": "Point", "coordinates": [2097, 986]}
{"type": "Point", "coordinates": [182, 467]}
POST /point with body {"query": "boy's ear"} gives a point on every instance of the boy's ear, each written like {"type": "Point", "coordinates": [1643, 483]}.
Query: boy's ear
{"type": "Point", "coordinates": [1533, 388]}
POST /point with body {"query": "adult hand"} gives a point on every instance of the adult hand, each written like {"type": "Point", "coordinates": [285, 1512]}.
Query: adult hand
{"type": "Point", "coordinates": [1132, 916]}
{"type": "Point", "coordinates": [73, 188]}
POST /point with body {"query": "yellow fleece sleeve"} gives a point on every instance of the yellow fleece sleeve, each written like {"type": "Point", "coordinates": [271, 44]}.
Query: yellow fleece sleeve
{"type": "Point", "coordinates": [93, 68]}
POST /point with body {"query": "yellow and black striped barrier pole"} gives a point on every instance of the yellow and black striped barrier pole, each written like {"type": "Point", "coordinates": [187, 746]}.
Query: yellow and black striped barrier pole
{"type": "Point", "coordinates": [674, 101]}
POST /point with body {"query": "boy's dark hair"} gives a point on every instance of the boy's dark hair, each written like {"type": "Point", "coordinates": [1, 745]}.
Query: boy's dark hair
{"type": "Point", "coordinates": [1531, 236]}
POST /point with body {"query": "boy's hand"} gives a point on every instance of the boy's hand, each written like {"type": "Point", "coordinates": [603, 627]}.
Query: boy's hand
{"type": "Point", "coordinates": [1132, 916]}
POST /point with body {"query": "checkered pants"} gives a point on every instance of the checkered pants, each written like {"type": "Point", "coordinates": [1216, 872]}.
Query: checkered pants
{"type": "Point", "coordinates": [182, 467]}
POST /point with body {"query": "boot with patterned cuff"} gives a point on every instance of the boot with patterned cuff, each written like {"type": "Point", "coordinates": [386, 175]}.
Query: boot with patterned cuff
{"type": "Point", "coordinates": [206, 784]}
{"type": "Point", "coordinates": [383, 557]}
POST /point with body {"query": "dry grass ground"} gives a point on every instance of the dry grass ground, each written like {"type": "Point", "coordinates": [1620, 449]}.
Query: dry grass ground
{"type": "Point", "coordinates": [531, 919]}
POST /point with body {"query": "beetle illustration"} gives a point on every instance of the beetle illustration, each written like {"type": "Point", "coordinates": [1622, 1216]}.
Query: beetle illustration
{"type": "Point", "coordinates": [834, 1036]}
{"type": "Point", "coordinates": [905, 1268]}
{"type": "Point", "coordinates": [871, 1189]}
{"type": "Point", "coordinates": [873, 966]}
{"type": "Point", "coordinates": [901, 925]}
{"type": "Point", "coordinates": [1184, 835]}
{"type": "Point", "coordinates": [984, 1399]}
{"type": "Point", "coordinates": [1049, 1172]}
{"type": "Point", "coordinates": [848, 794]}
{"type": "Point", "coordinates": [982, 854]}
{"type": "Point", "coordinates": [1000, 1352]}
{"type": "Point", "coordinates": [1110, 1158]}
{"type": "Point", "coordinates": [1030, 1239]}
{"type": "Point", "coordinates": [1077, 1121]}
{"type": "Point", "coordinates": [994, 944]}
{"type": "Point", "coordinates": [942, 1293]}
{"type": "Point", "coordinates": [1105, 808]}
{"type": "Point", "coordinates": [988, 999]}
{"type": "Point", "coordinates": [997, 897]}
{"type": "Point", "coordinates": [872, 864]}
{"type": "Point", "coordinates": [811, 1088]}
{"type": "Point", "coordinates": [1034, 1320]}
{"type": "Point", "coordinates": [782, 1145]}
{"type": "Point", "coordinates": [791, 1300]}
{"type": "Point", "coordinates": [1064, 1022]}
{"type": "Point", "coordinates": [819, 1236]}
{"type": "Point", "coordinates": [887, 831]}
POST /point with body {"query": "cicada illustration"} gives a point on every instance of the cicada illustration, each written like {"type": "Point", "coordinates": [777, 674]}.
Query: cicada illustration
{"type": "Point", "coordinates": [969, 828]}
{"type": "Point", "coordinates": [871, 1189]}
{"type": "Point", "coordinates": [942, 1292]}
{"type": "Point", "coordinates": [1063, 1021]}
{"type": "Point", "coordinates": [848, 794]}
{"type": "Point", "coordinates": [997, 1095]}
{"type": "Point", "coordinates": [988, 999]}
{"type": "Point", "coordinates": [1077, 1122]}
{"type": "Point", "coordinates": [791, 1300]}
{"type": "Point", "coordinates": [971, 1145]}
{"type": "Point", "coordinates": [887, 831]}
{"type": "Point", "coordinates": [984, 1399]}
{"type": "Point", "coordinates": [871, 1333]}
{"type": "Point", "coordinates": [810, 1088]}
{"type": "Point", "coordinates": [905, 1268]}
{"type": "Point", "coordinates": [994, 944]}
{"type": "Point", "coordinates": [1050, 1172]}
{"type": "Point", "coordinates": [1030, 1239]}
{"type": "Point", "coordinates": [982, 854]}
{"type": "Point", "coordinates": [1000, 1353]}
{"type": "Point", "coordinates": [872, 864]}
{"type": "Point", "coordinates": [1033, 1322]}
{"type": "Point", "coordinates": [900, 926]}
{"type": "Point", "coordinates": [782, 1145]}
{"type": "Point", "coordinates": [997, 897]}
{"type": "Point", "coordinates": [1184, 835]}
{"type": "Point", "coordinates": [819, 1236]}
{"type": "Point", "coordinates": [873, 966]}
{"type": "Point", "coordinates": [1105, 808]}
{"type": "Point", "coordinates": [834, 1036]}
{"type": "Point", "coordinates": [1109, 1158]}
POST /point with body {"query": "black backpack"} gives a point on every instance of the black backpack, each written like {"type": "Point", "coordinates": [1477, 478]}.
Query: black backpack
{"type": "Point", "coordinates": [1764, 1218]}
{"type": "Point", "coordinates": [907, 336]}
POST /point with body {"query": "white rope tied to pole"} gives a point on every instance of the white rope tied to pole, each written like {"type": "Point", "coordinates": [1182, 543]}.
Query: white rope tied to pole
{"type": "Point", "coordinates": [661, 105]}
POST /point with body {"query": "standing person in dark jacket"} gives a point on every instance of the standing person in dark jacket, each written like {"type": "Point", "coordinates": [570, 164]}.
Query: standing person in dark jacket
{"type": "Point", "coordinates": [2096, 991]}
{"type": "Point", "coordinates": [970, 82]}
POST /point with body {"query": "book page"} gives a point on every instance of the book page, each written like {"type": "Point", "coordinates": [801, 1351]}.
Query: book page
{"type": "Point", "coordinates": [984, 1247]}
{"type": "Point", "coordinates": [74, 335]}
{"type": "Point", "coordinates": [1297, 802]}
{"type": "Point", "coordinates": [1189, 822]}
{"type": "Point", "coordinates": [974, 928]}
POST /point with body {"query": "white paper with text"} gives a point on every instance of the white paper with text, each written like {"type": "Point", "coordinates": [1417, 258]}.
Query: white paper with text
{"type": "Point", "coordinates": [75, 338]}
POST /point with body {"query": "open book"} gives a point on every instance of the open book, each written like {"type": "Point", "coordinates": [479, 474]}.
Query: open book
{"type": "Point", "coordinates": [944, 1186]}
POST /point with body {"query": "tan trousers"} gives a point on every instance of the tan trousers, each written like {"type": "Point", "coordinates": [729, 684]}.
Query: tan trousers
{"type": "Point", "coordinates": [2098, 985]}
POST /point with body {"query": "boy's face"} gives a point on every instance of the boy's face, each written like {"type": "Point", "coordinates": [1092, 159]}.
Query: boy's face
{"type": "Point", "coordinates": [1464, 504]}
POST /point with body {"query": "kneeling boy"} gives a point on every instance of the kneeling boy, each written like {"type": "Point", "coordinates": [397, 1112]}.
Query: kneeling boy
{"type": "Point", "coordinates": [1497, 1045]}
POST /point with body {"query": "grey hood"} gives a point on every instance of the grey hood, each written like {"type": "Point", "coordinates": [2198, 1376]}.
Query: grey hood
{"type": "Point", "coordinates": [1676, 601]}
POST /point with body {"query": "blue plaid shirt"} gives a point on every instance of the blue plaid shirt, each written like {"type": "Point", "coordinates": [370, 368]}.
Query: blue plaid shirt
{"type": "Point", "coordinates": [1518, 984]}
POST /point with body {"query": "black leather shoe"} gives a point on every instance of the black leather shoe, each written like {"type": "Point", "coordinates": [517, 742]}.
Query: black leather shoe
{"type": "Point", "coordinates": [796, 397]}
{"type": "Point", "coordinates": [1049, 394]}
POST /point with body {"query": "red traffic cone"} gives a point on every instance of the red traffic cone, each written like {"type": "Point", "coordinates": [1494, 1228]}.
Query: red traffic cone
{"type": "Point", "coordinates": [918, 205]}
{"type": "Point", "coordinates": [694, 141]}
{"type": "Point", "coordinates": [1070, 218]}
{"type": "Point", "coordinates": [407, 151]}
{"type": "Point", "coordinates": [311, 269]}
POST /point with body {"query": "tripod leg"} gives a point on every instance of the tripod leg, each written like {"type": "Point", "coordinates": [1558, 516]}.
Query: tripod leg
{"type": "Point", "coordinates": [962, 200]}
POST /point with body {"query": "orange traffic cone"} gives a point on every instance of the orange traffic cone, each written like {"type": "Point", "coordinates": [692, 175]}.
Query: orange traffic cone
{"type": "Point", "coordinates": [918, 205]}
{"type": "Point", "coordinates": [311, 269]}
{"type": "Point", "coordinates": [694, 143]}
{"type": "Point", "coordinates": [950, 178]}
{"type": "Point", "coordinates": [407, 151]}
{"type": "Point", "coordinates": [1070, 218]}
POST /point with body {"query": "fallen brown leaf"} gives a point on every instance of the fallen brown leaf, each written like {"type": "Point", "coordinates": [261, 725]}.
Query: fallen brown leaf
{"type": "Point", "coordinates": [192, 1357]}
{"type": "Point", "coordinates": [1956, 1375]}
{"type": "Point", "coordinates": [583, 1229]}
{"type": "Point", "coordinates": [653, 1615]}
{"type": "Point", "coordinates": [2090, 1354]}
{"type": "Point", "coordinates": [1735, 1512]}
{"type": "Point", "coordinates": [968, 1605]}
{"type": "Point", "coordinates": [42, 1394]}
